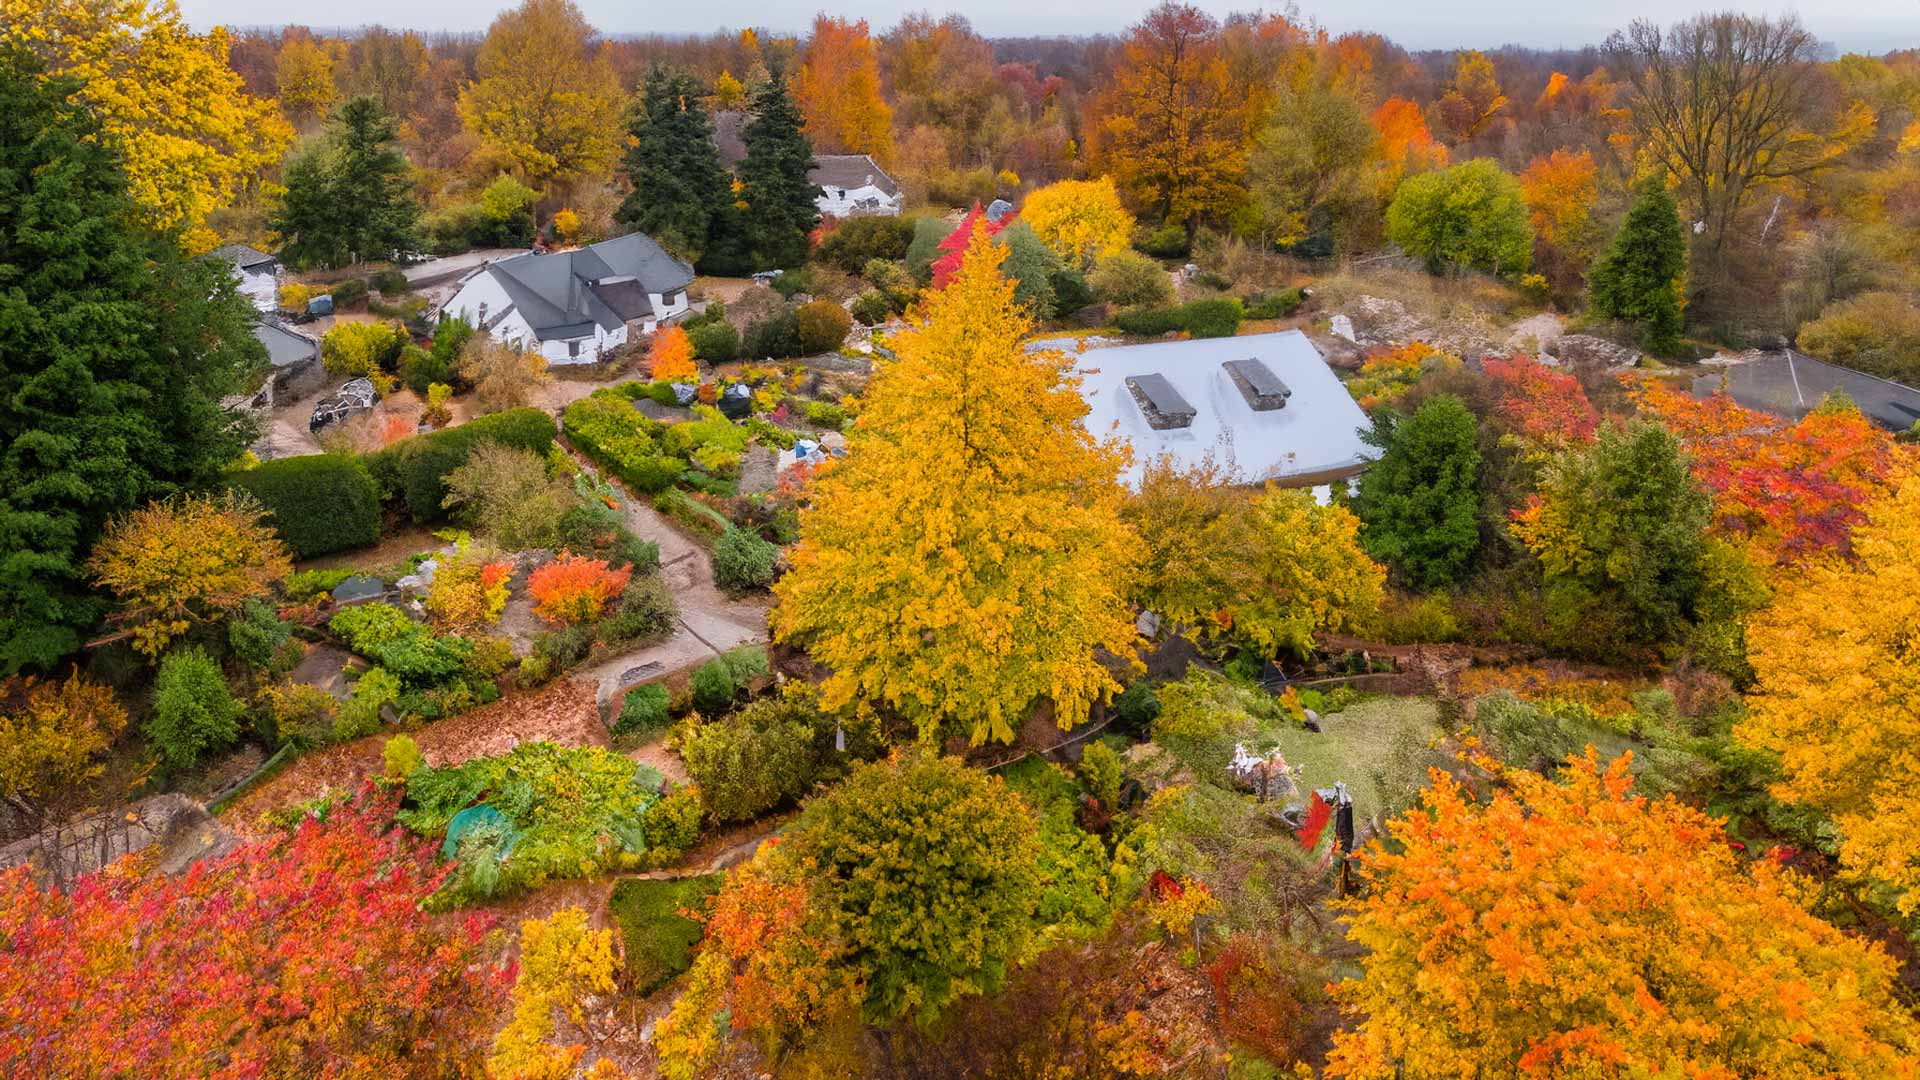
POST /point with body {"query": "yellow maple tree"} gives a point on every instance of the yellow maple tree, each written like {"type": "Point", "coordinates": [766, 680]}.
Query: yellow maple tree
{"type": "Point", "coordinates": [670, 359]}
{"type": "Point", "coordinates": [1081, 220]}
{"type": "Point", "coordinates": [193, 138]}
{"type": "Point", "coordinates": [838, 90]}
{"type": "Point", "coordinates": [547, 102]}
{"type": "Point", "coordinates": [1838, 694]}
{"type": "Point", "coordinates": [562, 963]}
{"type": "Point", "coordinates": [1571, 929]}
{"type": "Point", "coordinates": [967, 557]}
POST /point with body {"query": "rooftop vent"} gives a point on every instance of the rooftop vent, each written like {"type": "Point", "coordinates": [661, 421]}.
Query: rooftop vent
{"type": "Point", "coordinates": [1159, 402]}
{"type": "Point", "coordinates": [1258, 384]}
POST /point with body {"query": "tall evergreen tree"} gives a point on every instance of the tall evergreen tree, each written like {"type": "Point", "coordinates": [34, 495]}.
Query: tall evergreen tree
{"type": "Point", "coordinates": [1638, 279]}
{"type": "Point", "coordinates": [781, 210]}
{"type": "Point", "coordinates": [348, 199]}
{"type": "Point", "coordinates": [678, 184]}
{"type": "Point", "coordinates": [1420, 503]}
{"type": "Point", "coordinates": [115, 350]}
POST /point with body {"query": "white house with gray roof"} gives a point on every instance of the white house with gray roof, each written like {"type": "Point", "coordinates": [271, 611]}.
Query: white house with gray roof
{"type": "Point", "coordinates": [572, 306]}
{"type": "Point", "coordinates": [851, 185]}
{"type": "Point", "coordinates": [1266, 406]}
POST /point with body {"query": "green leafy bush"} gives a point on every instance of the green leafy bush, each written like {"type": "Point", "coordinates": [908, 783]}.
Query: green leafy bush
{"type": "Point", "coordinates": [857, 241]}
{"type": "Point", "coordinates": [742, 560]}
{"type": "Point", "coordinates": [1071, 292]}
{"type": "Point", "coordinates": [775, 337]}
{"type": "Point", "coordinates": [305, 585]}
{"type": "Point", "coordinates": [318, 503]}
{"type": "Point", "coordinates": [1166, 241]}
{"type": "Point", "coordinates": [360, 716]}
{"type": "Point", "coordinates": [567, 811]}
{"type": "Point", "coordinates": [1135, 709]}
{"type": "Point", "coordinates": [348, 293]}
{"type": "Point", "coordinates": [415, 469]}
{"type": "Point", "coordinates": [826, 414]}
{"type": "Point", "coordinates": [1275, 305]}
{"type": "Point", "coordinates": [672, 825]}
{"type": "Point", "coordinates": [418, 369]}
{"type": "Point", "coordinates": [659, 939]}
{"type": "Point", "coordinates": [1130, 279]}
{"type": "Point", "coordinates": [1471, 215]}
{"type": "Point", "coordinates": [194, 711]}
{"type": "Point", "coordinates": [1211, 318]}
{"type": "Point", "coordinates": [643, 709]}
{"type": "Point", "coordinates": [714, 687]}
{"type": "Point", "coordinates": [1100, 771]}
{"type": "Point", "coordinates": [872, 308]}
{"type": "Point", "coordinates": [564, 648]}
{"type": "Point", "coordinates": [753, 760]}
{"type": "Point", "coordinates": [409, 650]}
{"type": "Point", "coordinates": [256, 634]}
{"type": "Point", "coordinates": [715, 342]}
{"type": "Point", "coordinates": [390, 282]}
{"type": "Point", "coordinates": [647, 611]}
{"type": "Point", "coordinates": [1148, 322]}
{"type": "Point", "coordinates": [607, 428]}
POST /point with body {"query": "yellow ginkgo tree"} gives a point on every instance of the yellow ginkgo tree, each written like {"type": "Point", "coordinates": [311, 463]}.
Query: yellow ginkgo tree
{"type": "Point", "coordinates": [967, 558]}
{"type": "Point", "coordinates": [1837, 657]}
{"type": "Point", "coordinates": [193, 138]}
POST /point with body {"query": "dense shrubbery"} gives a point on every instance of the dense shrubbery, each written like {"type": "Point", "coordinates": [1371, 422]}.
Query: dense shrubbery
{"type": "Point", "coordinates": [606, 427]}
{"type": "Point", "coordinates": [415, 469]}
{"type": "Point", "coordinates": [194, 712]}
{"type": "Point", "coordinates": [357, 348]}
{"type": "Point", "coordinates": [1200, 318]}
{"type": "Point", "coordinates": [743, 561]}
{"type": "Point", "coordinates": [643, 709]}
{"type": "Point", "coordinates": [855, 242]}
{"type": "Point", "coordinates": [822, 326]}
{"type": "Point", "coordinates": [754, 759]}
{"type": "Point", "coordinates": [565, 812]}
{"type": "Point", "coordinates": [1274, 305]}
{"type": "Point", "coordinates": [775, 337]}
{"type": "Point", "coordinates": [1878, 333]}
{"type": "Point", "coordinates": [319, 504]}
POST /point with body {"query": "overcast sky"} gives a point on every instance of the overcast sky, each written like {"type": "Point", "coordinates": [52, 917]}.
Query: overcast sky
{"type": "Point", "coordinates": [1856, 25]}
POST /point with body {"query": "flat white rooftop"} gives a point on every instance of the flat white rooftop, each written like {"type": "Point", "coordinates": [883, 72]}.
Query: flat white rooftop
{"type": "Point", "coordinates": [1314, 439]}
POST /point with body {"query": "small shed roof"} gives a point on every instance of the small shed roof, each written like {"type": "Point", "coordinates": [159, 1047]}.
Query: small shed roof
{"type": "Point", "coordinates": [244, 257]}
{"type": "Point", "coordinates": [1314, 439]}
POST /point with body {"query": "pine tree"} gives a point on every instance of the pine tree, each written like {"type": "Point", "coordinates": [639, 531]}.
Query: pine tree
{"type": "Point", "coordinates": [115, 350]}
{"type": "Point", "coordinates": [781, 210]}
{"type": "Point", "coordinates": [348, 199]}
{"type": "Point", "coordinates": [678, 184]}
{"type": "Point", "coordinates": [1420, 503]}
{"type": "Point", "coordinates": [1638, 279]}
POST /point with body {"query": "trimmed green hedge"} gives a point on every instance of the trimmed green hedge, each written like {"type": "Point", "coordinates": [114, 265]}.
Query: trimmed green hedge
{"type": "Point", "coordinates": [607, 428]}
{"type": "Point", "coordinates": [318, 504]}
{"type": "Point", "coordinates": [414, 470]}
{"type": "Point", "coordinates": [1200, 318]}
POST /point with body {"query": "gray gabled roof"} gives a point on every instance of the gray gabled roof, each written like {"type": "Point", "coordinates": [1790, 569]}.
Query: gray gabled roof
{"type": "Point", "coordinates": [284, 347]}
{"type": "Point", "coordinates": [566, 294]}
{"type": "Point", "coordinates": [1791, 384]}
{"type": "Point", "coordinates": [850, 171]}
{"type": "Point", "coordinates": [242, 256]}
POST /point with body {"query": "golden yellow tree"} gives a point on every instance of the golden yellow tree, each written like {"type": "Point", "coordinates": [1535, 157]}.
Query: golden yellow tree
{"type": "Point", "coordinates": [838, 90]}
{"type": "Point", "coordinates": [1472, 98]}
{"type": "Point", "coordinates": [1838, 696]}
{"type": "Point", "coordinates": [967, 558]}
{"type": "Point", "coordinates": [547, 102]}
{"type": "Point", "coordinates": [1570, 929]}
{"type": "Point", "coordinates": [562, 963]}
{"type": "Point", "coordinates": [304, 74]}
{"type": "Point", "coordinates": [193, 139]}
{"type": "Point", "coordinates": [1081, 220]}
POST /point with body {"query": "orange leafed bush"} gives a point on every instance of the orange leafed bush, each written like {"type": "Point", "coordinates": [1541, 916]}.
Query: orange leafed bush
{"type": "Point", "coordinates": [575, 589]}
{"type": "Point", "coordinates": [671, 358]}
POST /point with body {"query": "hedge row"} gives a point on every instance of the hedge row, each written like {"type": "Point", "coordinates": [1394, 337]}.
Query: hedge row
{"type": "Point", "coordinates": [414, 470]}
{"type": "Point", "coordinates": [1200, 318]}
{"type": "Point", "coordinates": [606, 427]}
{"type": "Point", "coordinates": [318, 504]}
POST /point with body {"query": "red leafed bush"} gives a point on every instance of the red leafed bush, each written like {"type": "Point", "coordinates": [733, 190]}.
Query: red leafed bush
{"type": "Point", "coordinates": [574, 588]}
{"type": "Point", "coordinates": [302, 955]}
{"type": "Point", "coordinates": [1547, 407]}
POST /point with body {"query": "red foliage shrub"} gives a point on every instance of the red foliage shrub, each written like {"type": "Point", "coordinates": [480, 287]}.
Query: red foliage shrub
{"type": "Point", "coordinates": [574, 588]}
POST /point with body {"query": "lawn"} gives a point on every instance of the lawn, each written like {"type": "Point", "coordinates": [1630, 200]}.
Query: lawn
{"type": "Point", "coordinates": [659, 939]}
{"type": "Point", "coordinates": [1356, 745]}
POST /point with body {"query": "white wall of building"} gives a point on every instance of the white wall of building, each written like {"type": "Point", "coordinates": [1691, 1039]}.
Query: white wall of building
{"type": "Point", "coordinates": [848, 202]}
{"type": "Point", "coordinates": [262, 287]}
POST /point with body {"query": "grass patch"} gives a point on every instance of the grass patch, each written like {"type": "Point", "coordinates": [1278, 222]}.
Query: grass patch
{"type": "Point", "coordinates": [1357, 745]}
{"type": "Point", "coordinates": [659, 940]}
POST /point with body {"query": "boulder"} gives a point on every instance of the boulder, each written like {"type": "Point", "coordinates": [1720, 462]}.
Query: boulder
{"type": "Point", "coordinates": [1586, 350]}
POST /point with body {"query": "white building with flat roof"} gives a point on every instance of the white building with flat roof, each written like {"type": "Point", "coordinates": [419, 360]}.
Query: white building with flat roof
{"type": "Point", "coordinates": [1266, 406]}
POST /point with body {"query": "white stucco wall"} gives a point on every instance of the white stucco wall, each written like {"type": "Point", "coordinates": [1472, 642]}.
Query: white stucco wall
{"type": "Point", "coordinates": [480, 290]}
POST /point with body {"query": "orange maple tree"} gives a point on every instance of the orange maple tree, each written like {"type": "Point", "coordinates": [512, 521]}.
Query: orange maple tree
{"type": "Point", "coordinates": [574, 588]}
{"type": "Point", "coordinates": [838, 90]}
{"type": "Point", "coordinates": [1560, 192]}
{"type": "Point", "coordinates": [1791, 489]}
{"type": "Point", "coordinates": [670, 359]}
{"type": "Point", "coordinates": [1547, 409]}
{"type": "Point", "coordinates": [305, 954]}
{"type": "Point", "coordinates": [1571, 929]}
